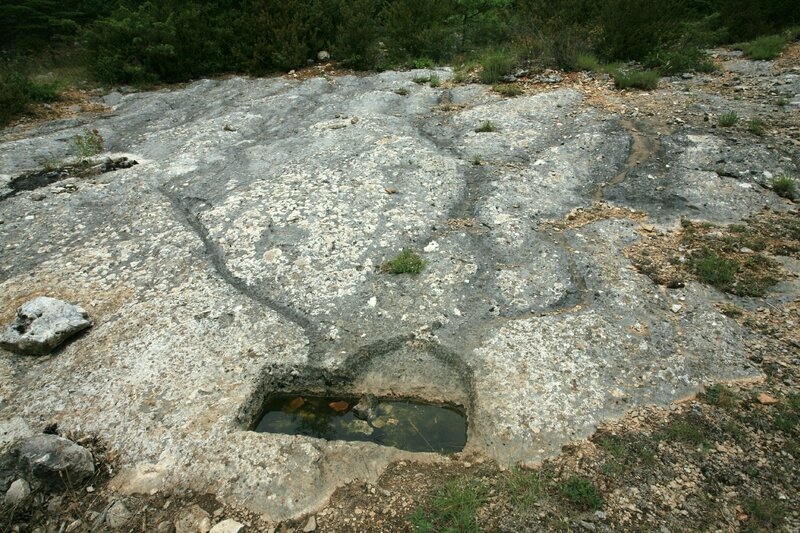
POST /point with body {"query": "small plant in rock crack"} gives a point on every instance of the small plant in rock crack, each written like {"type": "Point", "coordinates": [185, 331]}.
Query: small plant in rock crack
{"type": "Point", "coordinates": [435, 81]}
{"type": "Point", "coordinates": [402, 91]}
{"type": "Point", "coordinates": [728, 119]}
{"type": "Point", "coordinates": [785, 186]}
{"type": "Point", "coordinates": [406, 262]}
{"type": "Point", "coordinates": [477, 160]}
{"type": "Point", "coordinates": [486, 127]}
{"type": "Point", "coordinates": [87, 145]}
{"type": "Point", "coordinates": [757, 126]}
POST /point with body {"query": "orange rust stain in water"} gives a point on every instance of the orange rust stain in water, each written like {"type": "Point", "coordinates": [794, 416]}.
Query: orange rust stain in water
{"type": "Point", "coordinates": [297, 403]}
{"type": "Point", "coordinates": [339, 406]}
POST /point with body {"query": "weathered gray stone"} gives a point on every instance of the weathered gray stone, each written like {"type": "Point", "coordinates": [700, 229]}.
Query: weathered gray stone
{"type": "Point", "coordinates": [117, 516]}
{"type": "Point", "coordinates": [54, 461]}
{"type": "Point", "coordinates": [42, 324]}
{"type": "Point", "coordinates": [18, 492]}
{"type": "Point", "coordinates": [311, 525]}
{"type": "Point", "coordinates": [323, 55]}
{"type": "Point", "coordinates": [228, 526]}
{"type": "Point", "coordinates": [194, 519]}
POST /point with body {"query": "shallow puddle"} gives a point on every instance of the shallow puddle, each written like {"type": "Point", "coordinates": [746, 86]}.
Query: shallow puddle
{"type": "Point", "coordinates": [411, 426]}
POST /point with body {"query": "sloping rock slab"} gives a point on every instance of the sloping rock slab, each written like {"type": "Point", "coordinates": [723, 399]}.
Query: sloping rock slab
{"type": "Point", "coordinates": [42, 325]}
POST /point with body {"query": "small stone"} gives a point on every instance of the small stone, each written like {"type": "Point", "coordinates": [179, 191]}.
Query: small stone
{"type": "Point", "coordinates": [228, 526]}
{"type": "Point", "coordinates": [365, 407]}
{"type": "Point", "coordinates": [118, 516]}
{"type": "Point", "coordinates": [354, 120]}
{"type": "Point", "coordinates": [42, 324]}
{"type": "Point", "coordinates": [193, 520]}
{"type": "Point", "coordinates": [766, 399]}
{"type": "Point", "coordinates": [74, 526]}
{"type": "Point", "coordinates": [164, 527]}
{"type": "Point", "coordinates": [390, 190]}
{"type": "Point", "coordinates": [54, 505]}
{"type": "Point", "coordinates": [676, 307]}
{"type": "Point", "coordinates": [323, 55]}
{"type": "Point", "coordinates": [311, 525]}
{"type": "Point", "coordinates": [90, 489]}
{"type": "Point", "coordinates": [18, 492]}
{"type": "Point", "coordinates": [38, 196]}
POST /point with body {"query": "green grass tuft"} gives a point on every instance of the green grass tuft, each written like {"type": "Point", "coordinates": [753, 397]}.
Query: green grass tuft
{"type": "Point", "coordinates": [765, 48]}
{"type": "Point", "coordinates": [636, 79]}
{"type": "Point", "coordinates": [507, 89]}
{"type": "Point", "coordinates": [497, 64]}
{"type": "Point", "coordinates": [454, 508]}
{"type": "Point", "coordinates": [726, 120]}
{"type": "Point", "coordinates": [757, 126]}
{"type": "Point", "coordinates": [487, 127]}
{"type": "Point", "coordinates": [784, 186]}
{"type": "Point", "coordinates": [406, 262]}
{"type": "Point", "coordinates": [582, 493]}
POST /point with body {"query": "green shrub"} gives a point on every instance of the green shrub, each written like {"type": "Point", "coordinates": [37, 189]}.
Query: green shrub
{"type": "Point", "coordinates": [497, 64]}
{"type": "Point", "coordinates": [784, 186]}
{"type": "Point", "coordinates": [357, 35]}
{"type": "Point", "coordinates": [588, 62]}
{"type": "Point", "coordinates": [434, 81]}
{"type": "Point", "coordinates": [726, 120]}
{"type": "Point", "coordinates": [89, 144]}
{"type": "Point", "coordinates": [582, 493]}
{"type": "Point", "coordinates": [406, 262]}
{"type": "Point", "coordinates": [636, 79]}
{"type": "Point", "coordinates": [18, 93]}
{"type": "Point", "coordinates": [714, 269]}
{"type": "Point", "coordinates": [768, 47]}
{"type": "Point", "coordinates": [757, 126]}
{"type": "Point", "coordinates": [507, 89]}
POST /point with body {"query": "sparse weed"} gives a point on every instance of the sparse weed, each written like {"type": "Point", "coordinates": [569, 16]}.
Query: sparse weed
{"type": "Point", "coordinates": [477, 160]}
{"type": "Point", "coordinates": [721, 396]}
{"type": "Point", "coordinates": [784, 186]}
{"type": "Point", "coordinates": [782, 101]}
{"type": "Point", "coordinates": [454, 508]}
{"type": "Point", "coordinates": [421, 80]}
{"type": "Point", "coordinates": [87, 145]}
{"type": "Point", "coordinates": [757, 126]}
{"type": "Point", "coordinates": [402, 91]}
{"type": "Point", "coordinates": [406, 262]}
{"type": "Point", "coordinates": [526, 489]}
{"type": "Point", "coordinates": [487, 127]}
{"type": "Point", "coordinates": [434, 81]}
{"type": "Point", "coordinates": [582, 493]}
{"type": "Point", "coordinates": [726, 120]}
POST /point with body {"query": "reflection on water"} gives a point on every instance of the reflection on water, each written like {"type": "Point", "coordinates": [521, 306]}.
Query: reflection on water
{"type": "Point", "coordinates": [411, 426]}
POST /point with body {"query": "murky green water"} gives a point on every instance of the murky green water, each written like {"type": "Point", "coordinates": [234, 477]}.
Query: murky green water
{"type": "Point", "coordinates": [411, 426]}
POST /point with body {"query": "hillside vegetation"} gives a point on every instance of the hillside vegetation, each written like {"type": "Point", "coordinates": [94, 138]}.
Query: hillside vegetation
{"type": "Point", "coordinates": [146, 42]}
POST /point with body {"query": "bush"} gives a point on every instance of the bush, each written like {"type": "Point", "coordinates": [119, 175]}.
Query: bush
{"type": "Point", "coordinates": [784, 186]}
{"type": "Point", "coordinates": [765, 48]}
{"type": "Point", "coordinates": [496, 64]}
{"type": "Point", "coordinates": [582, 493]}
{"type": "Point", "coordinates": [18, 93]}
{"type": "Point", "coordinates": [636, 79]}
